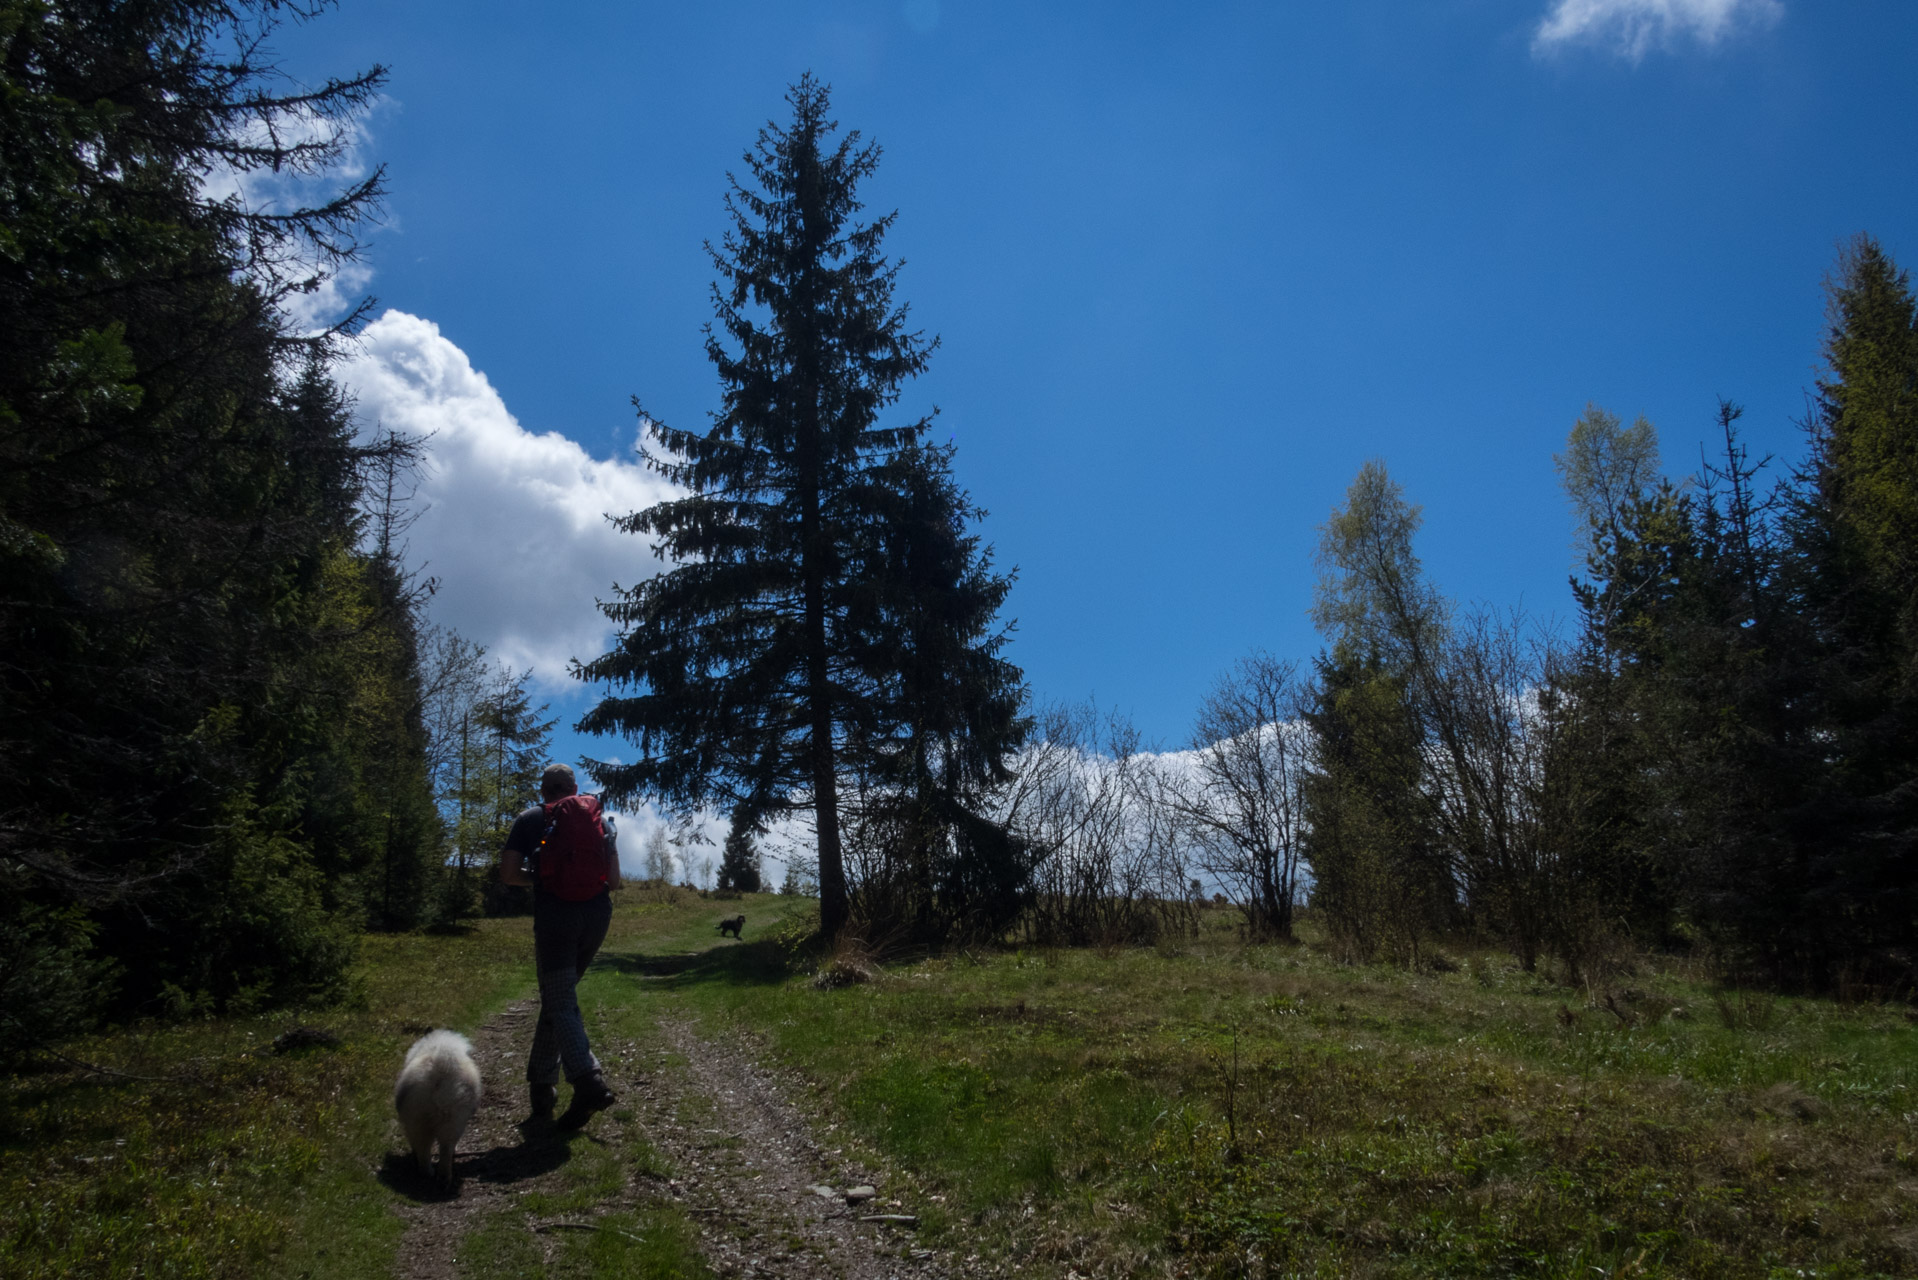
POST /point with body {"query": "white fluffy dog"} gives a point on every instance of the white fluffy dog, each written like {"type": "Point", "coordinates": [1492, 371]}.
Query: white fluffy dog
{"type": "Point", "coordinates": [436, 1095]}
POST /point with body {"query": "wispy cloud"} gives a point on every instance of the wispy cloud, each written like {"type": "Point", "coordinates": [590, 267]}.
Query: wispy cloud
{"type": "Point", "coordinates": [1632, 28]}
{"type": "Point", "coordinates": [514, 523]}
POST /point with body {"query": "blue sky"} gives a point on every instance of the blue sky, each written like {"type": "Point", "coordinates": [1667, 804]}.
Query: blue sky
{"type": "Point", "coordinates": [1190, 265]}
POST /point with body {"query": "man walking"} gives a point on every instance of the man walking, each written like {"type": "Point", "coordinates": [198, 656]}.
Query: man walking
{"type": "Point", "coordinates": [576, 867]}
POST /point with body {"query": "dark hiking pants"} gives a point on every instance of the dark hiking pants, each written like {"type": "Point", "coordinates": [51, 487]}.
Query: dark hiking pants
{"type": "Point", "coordinates": [566, 936]}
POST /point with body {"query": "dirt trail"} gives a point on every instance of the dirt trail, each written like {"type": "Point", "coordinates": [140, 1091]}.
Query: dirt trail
{"type": "Point", "coordinates": [745, 1164]}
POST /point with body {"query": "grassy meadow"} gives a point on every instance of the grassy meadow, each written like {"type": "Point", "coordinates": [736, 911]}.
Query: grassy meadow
{"type": "Point", "coordinates": [1198, 1109]}
{"type": "Point", "coordinates": [1217, 1109]}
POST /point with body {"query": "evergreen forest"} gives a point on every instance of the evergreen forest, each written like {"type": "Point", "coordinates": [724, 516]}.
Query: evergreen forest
{"type": "Point", "coordinates": [230, 740]}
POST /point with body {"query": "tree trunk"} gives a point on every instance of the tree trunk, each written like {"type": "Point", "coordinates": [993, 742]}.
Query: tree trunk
{"type": "Point", "coordinates": [834, 906]}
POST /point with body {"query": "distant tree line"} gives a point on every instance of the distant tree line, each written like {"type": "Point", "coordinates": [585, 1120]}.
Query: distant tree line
{"type": "Point", "coordinates": [218, 757]}
{"type": "Point", "coordinates": [1724, 759]}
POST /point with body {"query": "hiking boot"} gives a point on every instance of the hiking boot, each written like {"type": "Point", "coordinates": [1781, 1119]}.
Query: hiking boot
{"type": "Point", "coordinates": [590, 1096]}
{"type": "Point", "coordinates": [545, 1099]}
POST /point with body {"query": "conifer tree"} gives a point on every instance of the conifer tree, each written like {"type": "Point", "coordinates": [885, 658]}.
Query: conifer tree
{"type": "Point", "coordinates": [931, 637]}
{"type": "Point", "coordinates": [739, 861]}
{"type": "Point", "coordinates": [755, 673]}
{"type": "Point", "coordinates": [1865, 456]}
{"type": "Point", "coordinates": [516, 741]}
{"type": "Point", "coordinates": [177, 493]}
{"type": "Point", "coordinates": [1710, 719]}
{"type": "Point", "coordinates": [1851, 565]}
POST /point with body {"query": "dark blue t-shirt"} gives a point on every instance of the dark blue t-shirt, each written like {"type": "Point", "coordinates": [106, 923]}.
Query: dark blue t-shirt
{"type": "Point", "coordinates": [524, 838]}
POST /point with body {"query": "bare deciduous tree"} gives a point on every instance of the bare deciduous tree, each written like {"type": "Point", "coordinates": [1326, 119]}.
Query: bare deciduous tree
{"type": "Point", "coordinates": [1487, 775]}
{"type": "Point", "coordinates": [1235, 799]}
{"type": "Point", "coordinates": [659, 856]}
{"type": "Point", "coordinates": [1107, 869]}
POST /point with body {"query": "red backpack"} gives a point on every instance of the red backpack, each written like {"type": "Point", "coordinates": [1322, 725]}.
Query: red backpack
{"type": "Point", "coordinates": [572, 852]}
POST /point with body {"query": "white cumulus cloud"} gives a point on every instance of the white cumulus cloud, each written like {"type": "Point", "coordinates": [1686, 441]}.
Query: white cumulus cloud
{"type": "Point", "coordinates": [1631, 28]}
{"type": "Point", "coordinates": [514, 524]}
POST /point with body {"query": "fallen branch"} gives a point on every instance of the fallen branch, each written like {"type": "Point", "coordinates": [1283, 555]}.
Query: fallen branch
{"type": "Point", "coordinates": [587, 1226]}
{"type": "Point", "coordinates": [109, 1071]}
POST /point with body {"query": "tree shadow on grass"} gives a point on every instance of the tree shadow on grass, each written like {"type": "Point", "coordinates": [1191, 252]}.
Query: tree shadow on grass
{"type": "Point", "coordinates": [541, 1150]}
{"type": "Point", "coordinates": [739, 964]}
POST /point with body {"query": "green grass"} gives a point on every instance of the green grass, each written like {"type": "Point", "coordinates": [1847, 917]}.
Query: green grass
{"type": "Point", "coordinates": [1229, 1110]}
{"type": "Point", "coordinates": [1211, 1109]}
{"type": "Point", "coordinates": [206, 1171]}
{"type": "Point", "coordinates": [238, 1161]}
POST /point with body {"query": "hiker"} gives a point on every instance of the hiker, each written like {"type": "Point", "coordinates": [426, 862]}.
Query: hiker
{"type": "Point", "coordinates": [574, 864]}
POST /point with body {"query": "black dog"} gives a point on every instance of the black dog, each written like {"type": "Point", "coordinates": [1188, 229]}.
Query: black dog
{"type": "Point", "coordinates": [732, 926]}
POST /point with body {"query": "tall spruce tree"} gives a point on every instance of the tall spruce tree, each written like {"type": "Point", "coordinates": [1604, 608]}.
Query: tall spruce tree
{"type": "Point", "coordinates": [758, 671]}
{"type": "Point", "coordinates": [1851, 563]}
{"type": "Point", "coordinates": [1865, 441]}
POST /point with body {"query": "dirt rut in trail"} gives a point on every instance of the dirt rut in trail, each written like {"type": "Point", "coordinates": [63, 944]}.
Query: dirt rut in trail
{"type": "Point", "coordinates": [744, 1163]}
{"type": "Point", "coordinates": [496, 1162]}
